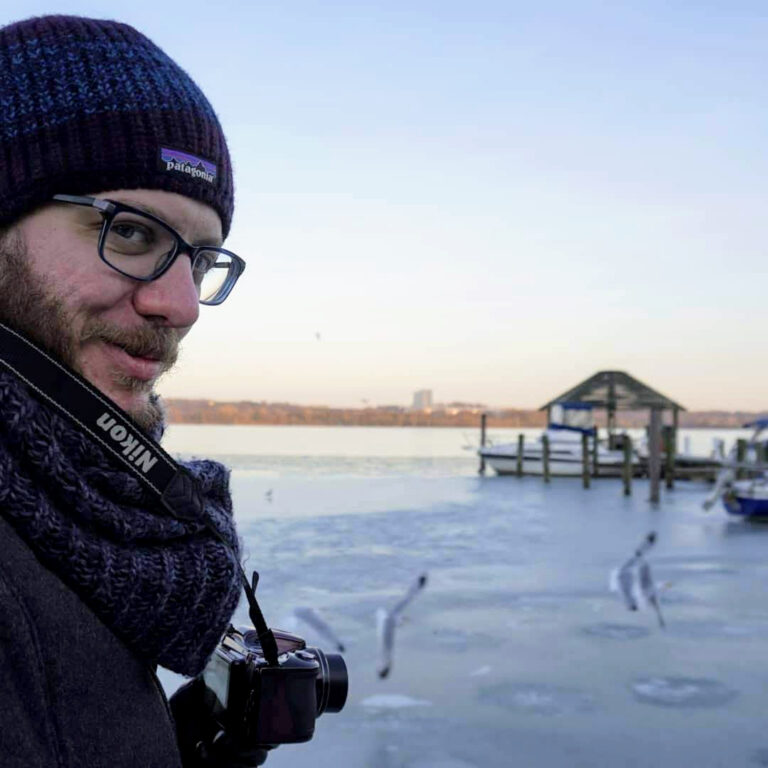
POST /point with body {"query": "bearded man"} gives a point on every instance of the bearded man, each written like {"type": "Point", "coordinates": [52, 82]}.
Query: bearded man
{"type": "Point", "coordinates": [116, 196]}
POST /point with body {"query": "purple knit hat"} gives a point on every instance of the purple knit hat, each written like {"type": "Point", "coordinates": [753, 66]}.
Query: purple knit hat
{"type": "Point", "coordinates": [88, 105]}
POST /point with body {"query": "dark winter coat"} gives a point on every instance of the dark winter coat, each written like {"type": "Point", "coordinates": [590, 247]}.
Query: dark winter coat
{"type": "Point", "coordinates": [71, 694]}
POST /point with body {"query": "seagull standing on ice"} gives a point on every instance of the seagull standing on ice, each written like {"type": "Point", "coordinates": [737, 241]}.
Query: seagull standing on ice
{"type": "Point", "coordinates": [385, 625]}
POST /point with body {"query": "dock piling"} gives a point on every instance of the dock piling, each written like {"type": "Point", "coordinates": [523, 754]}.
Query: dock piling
{"type": "Point", "coordinates": [520, 454]}
{"type": "Point", "coordinates": [670, 438]}
{"type": "Point", "coordinates": [483, 424]}
{"type": "Point", "coordinates": [585, 473]}
{"type": "Point", "coordinates": [594, 453]}
{"type": "Point", "coordinates": [545, 456]}
{"type": "Point", "coordinates": [627, 468]}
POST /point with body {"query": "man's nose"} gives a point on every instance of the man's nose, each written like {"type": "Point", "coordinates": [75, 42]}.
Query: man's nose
{"type": "Point", "coordinates": [172, 298]}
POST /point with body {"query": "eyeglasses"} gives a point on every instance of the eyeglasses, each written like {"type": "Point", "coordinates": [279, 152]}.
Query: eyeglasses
{"type": "Point", "coordinates": [143, 247]}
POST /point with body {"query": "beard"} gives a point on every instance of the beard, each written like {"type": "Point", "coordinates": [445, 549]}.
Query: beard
{"type": "Point", "coordinates": [29, 305]}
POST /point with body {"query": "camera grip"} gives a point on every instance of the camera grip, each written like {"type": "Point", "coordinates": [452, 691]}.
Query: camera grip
{"type": "Point", "coordinates": [201, 739]}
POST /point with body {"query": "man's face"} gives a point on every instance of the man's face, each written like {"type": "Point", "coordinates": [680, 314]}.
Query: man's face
{"type": "Point", "coordinates": [119, 333]}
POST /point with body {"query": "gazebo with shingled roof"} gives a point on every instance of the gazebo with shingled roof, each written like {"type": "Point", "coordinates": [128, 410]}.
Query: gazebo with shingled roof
{"type": "Point", "coordinates": [614, 391]}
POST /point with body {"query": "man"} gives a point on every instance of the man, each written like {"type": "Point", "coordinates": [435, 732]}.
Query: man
{"type": "Point", "coordinates": [115, 197]}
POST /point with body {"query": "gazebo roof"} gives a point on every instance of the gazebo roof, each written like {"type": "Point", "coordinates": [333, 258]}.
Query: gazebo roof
{"type": "Point", "coordinates": [615, 391]}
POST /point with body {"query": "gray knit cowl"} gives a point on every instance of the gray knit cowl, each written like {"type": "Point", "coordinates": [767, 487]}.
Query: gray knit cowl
{"type": "Point", "coordinates": [167, 588]}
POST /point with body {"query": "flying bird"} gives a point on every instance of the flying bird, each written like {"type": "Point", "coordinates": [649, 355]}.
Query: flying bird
{"type": "Point", "coordinates": [310, 617]}
{"type": "Point", "coordinates": [648, 589]}
{"type": "Point", "coordinates": [623, 581]}
{"type": "Point", "coordinates": [385, 625]}
{"type": "Point", "coordinates": [633, 580]}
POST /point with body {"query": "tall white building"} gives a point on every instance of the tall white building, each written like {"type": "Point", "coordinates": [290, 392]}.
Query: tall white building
{"type": "Point", "coordinates": [422, 400]}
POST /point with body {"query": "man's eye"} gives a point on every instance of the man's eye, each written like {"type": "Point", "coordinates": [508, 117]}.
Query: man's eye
{"type": "Point", "coordinates": [203, 263]}
{"type": "Point", "coordinates": [136, 234]}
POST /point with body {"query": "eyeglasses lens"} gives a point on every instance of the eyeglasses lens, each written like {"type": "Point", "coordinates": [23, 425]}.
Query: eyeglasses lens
{"type": "Point", "coordinates": [211, 271]}
{"type": "Point", "coordinates": [141, 247]}
{"type": "Point", "coordinates": [137, 246]}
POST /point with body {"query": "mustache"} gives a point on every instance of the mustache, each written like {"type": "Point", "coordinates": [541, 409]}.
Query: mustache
{"type": "Point", "coordinates": [161, 344]}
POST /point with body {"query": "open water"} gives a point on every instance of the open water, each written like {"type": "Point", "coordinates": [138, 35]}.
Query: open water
{"type": "Point", "coordinates": [516, 653]}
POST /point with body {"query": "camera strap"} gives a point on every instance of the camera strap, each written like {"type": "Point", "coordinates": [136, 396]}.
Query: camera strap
{"type": "Point", "coordinates": [113, 429]}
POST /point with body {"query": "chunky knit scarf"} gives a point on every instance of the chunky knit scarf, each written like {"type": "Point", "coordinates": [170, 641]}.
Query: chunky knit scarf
{"type": "Point", "coordinates": [166, 587]}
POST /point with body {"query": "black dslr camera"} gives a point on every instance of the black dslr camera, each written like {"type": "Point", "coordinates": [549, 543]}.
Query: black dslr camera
{"type": "Point", "coordinates": [261, 705]}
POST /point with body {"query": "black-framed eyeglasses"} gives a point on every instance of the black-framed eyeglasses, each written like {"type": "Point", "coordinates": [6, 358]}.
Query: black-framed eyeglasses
{"type": "Point", "coordinates": [141, 246]}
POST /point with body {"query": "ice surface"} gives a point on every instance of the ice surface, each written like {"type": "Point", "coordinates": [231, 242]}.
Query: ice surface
{"type": "Point", "coordinates": [617, 631]}
{"type": "Point", "coordinates": [518, 585]}
{"type": "Point", "coordinates": [393, 701]}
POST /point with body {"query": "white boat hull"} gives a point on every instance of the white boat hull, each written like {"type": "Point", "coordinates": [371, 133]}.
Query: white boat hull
{"type": "Point", "coordinates": [503, 465]}
{"type": "Point", "coordinates": [565, 458]}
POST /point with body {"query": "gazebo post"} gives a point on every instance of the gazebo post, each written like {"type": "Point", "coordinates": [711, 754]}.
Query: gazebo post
{"type": "Point", "coordinates": [611, 409]}
{"type": "Point", "coordinates": [670, 447]}
{"type": "Point", "coordinates": [654, 453]}
{"type": "Point", "coordinates": [675, 423]}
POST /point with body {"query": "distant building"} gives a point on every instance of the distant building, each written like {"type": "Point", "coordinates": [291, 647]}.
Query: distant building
{"type": "Point", "coordinates": [422, 400]}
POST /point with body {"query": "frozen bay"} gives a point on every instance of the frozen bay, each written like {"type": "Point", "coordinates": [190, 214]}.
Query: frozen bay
{"type": "Point", "coordinates": [516, 653]}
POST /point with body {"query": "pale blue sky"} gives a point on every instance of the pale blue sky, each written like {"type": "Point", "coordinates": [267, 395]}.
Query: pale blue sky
{"type": "Point", "coordinates": [486, 199]}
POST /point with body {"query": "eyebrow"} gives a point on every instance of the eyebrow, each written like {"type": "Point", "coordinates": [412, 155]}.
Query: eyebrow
{"type": "Point", "coordinates": [157, 214]}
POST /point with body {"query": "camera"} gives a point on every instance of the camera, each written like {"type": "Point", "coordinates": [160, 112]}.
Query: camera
{"type": "Point", "coordinates": [258, 704]}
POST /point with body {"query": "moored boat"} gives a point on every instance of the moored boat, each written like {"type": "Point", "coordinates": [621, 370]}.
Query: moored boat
{"type": "Point", "coordinates": [564, 435]}
{"type": "Point", "coordinates": [742, 484]}
{"type": "Point", "coordinates": [747, 498]}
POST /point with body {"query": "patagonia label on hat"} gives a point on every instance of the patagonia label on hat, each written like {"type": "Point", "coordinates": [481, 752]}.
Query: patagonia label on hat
{"type": "Point", "coordinates": [178, 161]}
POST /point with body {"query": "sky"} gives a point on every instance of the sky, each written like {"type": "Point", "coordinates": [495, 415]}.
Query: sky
{"type": "Point", "coordinates": [492, 200]}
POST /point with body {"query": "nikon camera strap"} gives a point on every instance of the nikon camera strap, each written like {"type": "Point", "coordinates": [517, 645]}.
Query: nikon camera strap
{"type": "Point", "coordinates": [79, 401]}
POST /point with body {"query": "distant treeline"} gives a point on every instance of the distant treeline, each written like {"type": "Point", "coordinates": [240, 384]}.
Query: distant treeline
{"type": "Point", "coordinates": [248, 412]}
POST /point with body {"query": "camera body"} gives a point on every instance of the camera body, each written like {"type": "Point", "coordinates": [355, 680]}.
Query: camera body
{"type": "Point", "coordinates": [257, 704]}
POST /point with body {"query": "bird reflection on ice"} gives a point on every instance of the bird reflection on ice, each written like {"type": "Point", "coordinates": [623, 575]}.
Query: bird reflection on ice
{"type": "Point", "coordinates": [537, 698]}
{"type": "Point", "coordinates": [393, 701]}
{"type": "Point", "coordinates": [617, 631]}
{"type": "Point", "coordinates": [682, 692]}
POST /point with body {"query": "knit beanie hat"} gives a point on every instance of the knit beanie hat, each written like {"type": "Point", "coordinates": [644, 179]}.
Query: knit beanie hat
{"type": "Point", "coordinates": [89, 105]}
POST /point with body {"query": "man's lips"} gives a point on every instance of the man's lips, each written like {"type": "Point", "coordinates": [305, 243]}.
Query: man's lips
{"type": "Point", "coordinates": [134, 366]}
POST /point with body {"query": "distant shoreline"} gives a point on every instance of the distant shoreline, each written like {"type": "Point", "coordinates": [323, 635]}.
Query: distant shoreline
{"type": "Point", "coordinates": [181, 411]}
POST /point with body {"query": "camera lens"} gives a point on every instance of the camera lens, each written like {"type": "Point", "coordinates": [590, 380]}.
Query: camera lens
{"type": "Point", "coordinates": [332, 683]}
